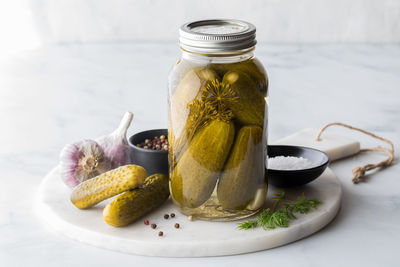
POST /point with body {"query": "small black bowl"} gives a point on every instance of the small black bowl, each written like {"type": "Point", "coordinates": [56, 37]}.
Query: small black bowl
{"type": "Point", "coordinates": [291, 178]}
{"type": "Point", "coordinates": [154, 161]}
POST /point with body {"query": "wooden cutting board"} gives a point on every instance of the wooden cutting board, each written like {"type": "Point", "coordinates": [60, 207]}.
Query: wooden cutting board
{"type": "Point", "coordinates": [193, 239]}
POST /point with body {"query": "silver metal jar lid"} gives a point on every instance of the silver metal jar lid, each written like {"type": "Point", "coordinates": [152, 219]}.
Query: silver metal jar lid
{"type": "Point", "coordinates": [219, 35]}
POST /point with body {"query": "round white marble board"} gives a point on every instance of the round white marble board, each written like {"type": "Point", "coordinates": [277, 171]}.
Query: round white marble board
{"type": "Point", "coordinates": [193, 239]}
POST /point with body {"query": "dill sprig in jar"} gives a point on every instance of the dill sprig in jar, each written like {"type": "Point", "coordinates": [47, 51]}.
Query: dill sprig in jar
{"type": "Point", "coordinates": [218, 122]}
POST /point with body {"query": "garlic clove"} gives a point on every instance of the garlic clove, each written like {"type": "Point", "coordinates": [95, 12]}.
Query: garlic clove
{"type": "Point", "coordinates": [81, 161]}
{"type": "Point", "coordinates": [115, 145]}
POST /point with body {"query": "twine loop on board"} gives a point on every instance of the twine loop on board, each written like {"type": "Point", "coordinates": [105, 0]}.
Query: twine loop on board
{"type": "Point", "coordinates": [360, 171]}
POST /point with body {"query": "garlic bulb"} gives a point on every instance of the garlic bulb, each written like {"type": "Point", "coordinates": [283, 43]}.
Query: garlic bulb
{"type": "Point", "coordinates": [115, 145]}
{"type": "Point", "coordinates": [81, 161]}
{"type": "Point", "coordinates": [86, 159]}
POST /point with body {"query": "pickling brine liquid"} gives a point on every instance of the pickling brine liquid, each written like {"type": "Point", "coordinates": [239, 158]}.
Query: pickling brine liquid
{"type": "Point", "coordinates": [218, 135]}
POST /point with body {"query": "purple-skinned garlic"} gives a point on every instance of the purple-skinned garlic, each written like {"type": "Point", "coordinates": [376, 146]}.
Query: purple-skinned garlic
{"type": "Point", "coordinates": [115, 145]}
{"type": "Point", "coordinates": [81, 161]}
{"type": "Point", "coordinates": [86, 159]}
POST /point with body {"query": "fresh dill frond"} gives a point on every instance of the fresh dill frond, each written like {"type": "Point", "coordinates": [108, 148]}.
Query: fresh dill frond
{"type": "Point", "coordinates": [264, 219]}
{"type": "Point", "coordinates": [279, 219]}
{"type": "Point", "coordinates": [269, 220]}
{"type": "Point", "coordinates": [290, 212]}
{"type": "Point", "coordinates": [304, 205]}
{"type": "Point", "coordinates": [248, 225]}
{"type": "Point", "coordinates": [279, 197]}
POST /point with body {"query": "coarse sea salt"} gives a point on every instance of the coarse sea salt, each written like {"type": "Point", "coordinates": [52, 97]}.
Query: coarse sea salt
{"type": "Point", "coordinates": [289, 163]}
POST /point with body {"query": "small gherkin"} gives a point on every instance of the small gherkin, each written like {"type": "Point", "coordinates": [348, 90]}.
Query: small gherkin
{"type": "Point", "coordinates": [133, 204]}
{"type": "Point", "coordinates": [107, 185]}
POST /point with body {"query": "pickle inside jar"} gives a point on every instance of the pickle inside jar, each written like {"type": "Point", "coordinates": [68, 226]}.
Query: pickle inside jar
{"type": "Point", "coordinates": [188, 89]}
{"type": "Point", "coordinates": [195, 174]}
{"type": "Point", "coordinates": [240, 177]}
{"type": "Point", "coordinates": [206, 151]}
{"type": "Point", "coordinates": [252, 67]}
{"type": "Point", "coordinates": [250, 107]}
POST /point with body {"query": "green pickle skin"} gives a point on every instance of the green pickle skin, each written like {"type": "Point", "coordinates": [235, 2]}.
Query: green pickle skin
{"type": "Point", "coordinates": [242, 172]}
{"type": "Point", "coordinates": [188, 89]}
{"type": "Point", "coordinates": [107, 185]}
{"type": "Point", "coordinates": [250, 108]}
{"type": "Point", "coordinates": [251, 67]}
{"type": "Point", "coordinates": [194, 177]}
{"type": "Point", "coordinates": [131, 205]}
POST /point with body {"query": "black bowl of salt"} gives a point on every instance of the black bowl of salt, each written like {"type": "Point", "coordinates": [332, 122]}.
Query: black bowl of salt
{"type": "Point", "coordinates": [290, 166]}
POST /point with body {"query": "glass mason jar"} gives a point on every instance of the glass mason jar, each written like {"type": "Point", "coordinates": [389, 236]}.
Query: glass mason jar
{"type": "Point", "coordinates": [217, 94]}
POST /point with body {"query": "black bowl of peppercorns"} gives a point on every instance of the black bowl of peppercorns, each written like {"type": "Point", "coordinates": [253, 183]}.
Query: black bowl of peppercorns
{"type": "Point", "coordinates": [149, 149]}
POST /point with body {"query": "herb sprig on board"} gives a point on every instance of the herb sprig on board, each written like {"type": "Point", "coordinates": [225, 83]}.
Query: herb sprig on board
{"type": "Point", "coordinates": [270, 219]}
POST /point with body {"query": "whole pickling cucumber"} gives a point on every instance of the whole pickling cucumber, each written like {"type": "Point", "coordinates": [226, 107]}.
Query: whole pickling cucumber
{"type": "Point", "coordinates": [252, 67]}
{"type": "Point", "coordinates": [244, 170]}
{"type": "Point", "coordinates": [133, 204]}
{"type": "Point", "coordinates": [250, 108]}
{"type": "Point", "coordinates": [194, 177]}
{"type": "Point", "coordinates": [107, 185]}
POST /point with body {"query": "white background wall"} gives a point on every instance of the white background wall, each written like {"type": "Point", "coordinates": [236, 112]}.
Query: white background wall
{"type": "Point", "coordinates": [277, 21]}
{"type": "Point", "coordinates": [26, 24]}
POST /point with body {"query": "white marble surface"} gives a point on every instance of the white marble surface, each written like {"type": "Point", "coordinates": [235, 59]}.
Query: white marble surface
{"type": "Point", "coordinates": [55, 95]}
{"type": "Point", "coordinates": [335, 145]}
{"type": "Point", "coordinates": [193, 239]}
